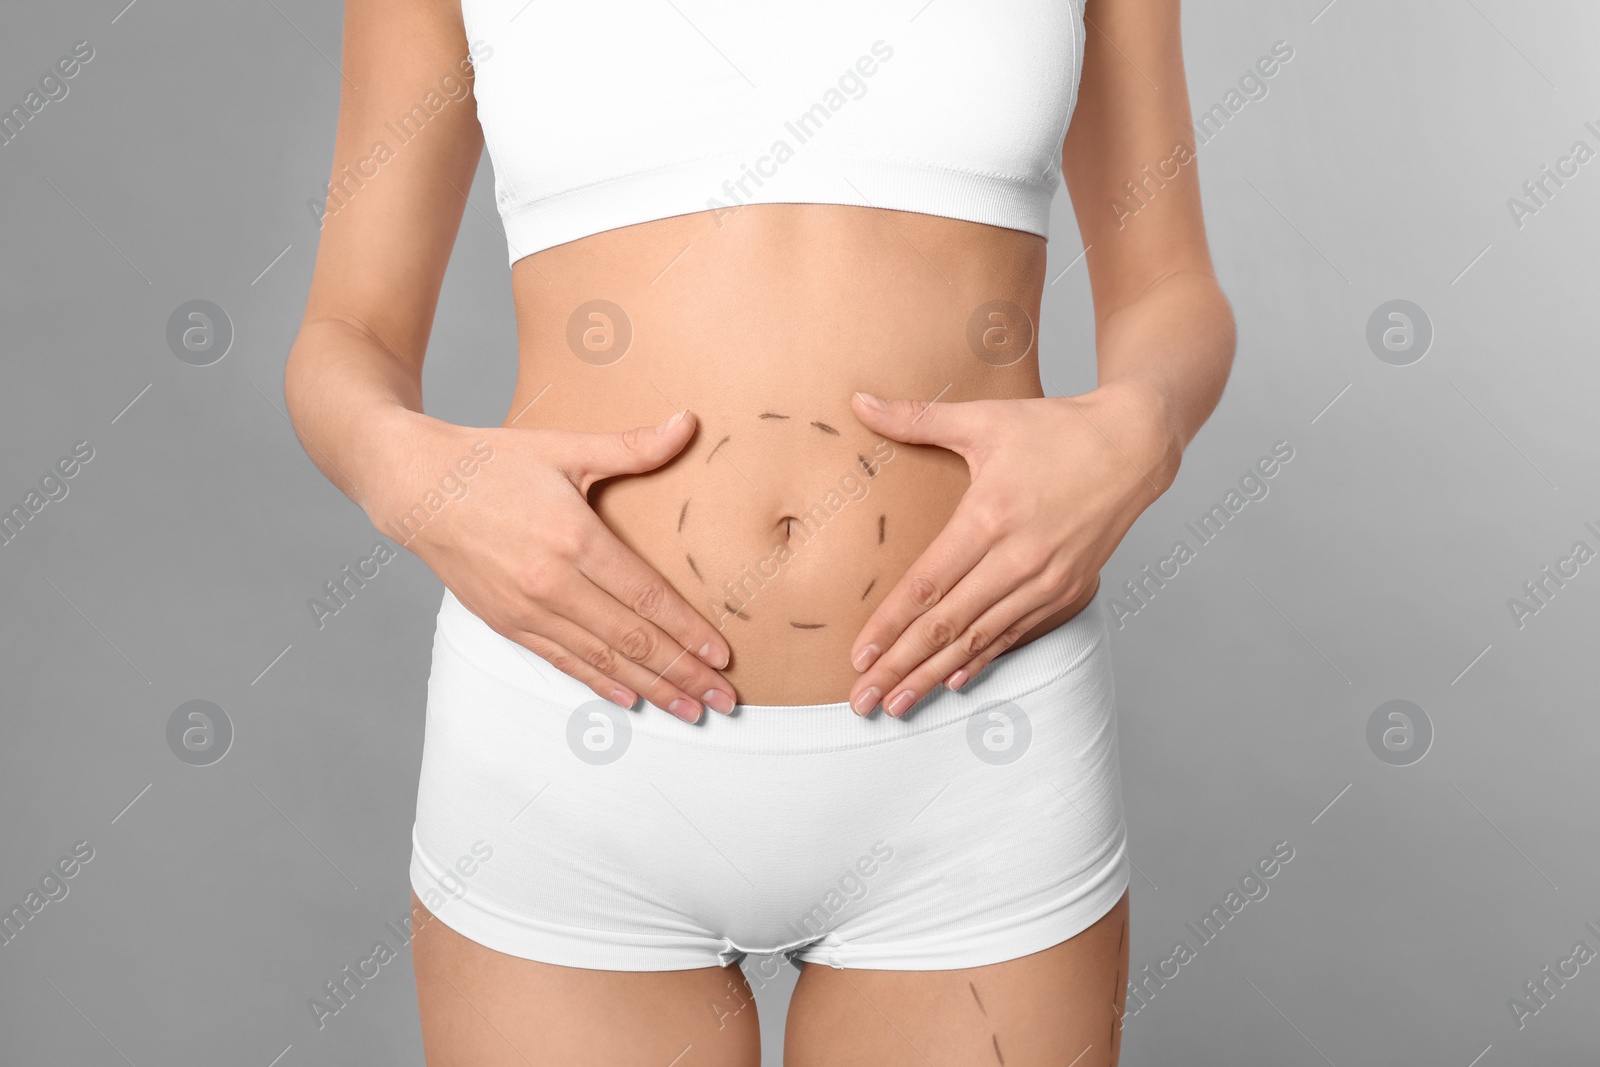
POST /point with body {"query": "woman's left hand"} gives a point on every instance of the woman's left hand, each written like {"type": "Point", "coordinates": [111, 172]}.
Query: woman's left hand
{"type": "Point", "coordinates": [1056, 483]}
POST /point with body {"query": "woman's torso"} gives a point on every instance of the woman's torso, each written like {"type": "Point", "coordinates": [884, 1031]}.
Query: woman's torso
{"type": "Point", "coordinates": [785, 520]}
{"type": "Point", "coordinates": [616, 126]}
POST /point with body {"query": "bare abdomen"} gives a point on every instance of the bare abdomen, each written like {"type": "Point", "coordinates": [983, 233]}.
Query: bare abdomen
{"type": "Point", "coordinates": [785, 521]}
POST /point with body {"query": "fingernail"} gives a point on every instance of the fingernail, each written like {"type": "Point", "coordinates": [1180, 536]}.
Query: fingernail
{"type": "Point", "coordinates": [718, 700]}
{"type": "Point", "coordinates": [901, 702]}
{"type": "Point", "coordinates": [677, 417]}
{"type": "Point", "coordinates": [714, 657]}
{"type": "Point", "coordinates": [622, 698]}
{"type": "Point", "coordinates": [687, 710]}
{"type": "Point", "coordinates": [865, 658]}
{"type": "Point", "coordinates": [866, 701]}
{"type": "Point", "coordinates": [958, 679]}
{"type": "Point", "coordinates": [873, 402]}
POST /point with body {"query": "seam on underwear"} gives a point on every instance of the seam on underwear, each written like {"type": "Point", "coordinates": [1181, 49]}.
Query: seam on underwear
{"type": "Point", "coordinates": [842, 951]}
{"type": "Point", "coordinates": [474, 900]}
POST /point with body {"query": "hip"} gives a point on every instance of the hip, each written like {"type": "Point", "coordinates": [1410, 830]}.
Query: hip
{"type": "Point", "coordinates": [989, 819]}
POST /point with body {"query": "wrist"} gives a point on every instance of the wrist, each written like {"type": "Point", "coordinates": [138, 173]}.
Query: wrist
{"type": "Point", "coordinates": [1152, 432]}
{"type": "Point", "coordinates": [408, 455]}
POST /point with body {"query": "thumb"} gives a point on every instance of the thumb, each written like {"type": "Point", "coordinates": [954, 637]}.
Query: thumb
{"type": "Point", "coordinates": [643, 448]}
{"type": "Point", "coordinates": [919, 422]}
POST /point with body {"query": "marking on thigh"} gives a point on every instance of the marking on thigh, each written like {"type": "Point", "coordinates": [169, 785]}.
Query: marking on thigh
{"type": "Point", "coordinates": [1119, 988]}
{"type": "Point", "coordinates": [718, 445]}
{"type": "Point", "coordinates": [825, 428]}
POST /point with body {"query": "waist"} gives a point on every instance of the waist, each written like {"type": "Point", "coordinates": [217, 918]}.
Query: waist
{"type": "Point", "coordinates": [785, 521]}
{"type": "Point", "coordinates": [1068, 666]}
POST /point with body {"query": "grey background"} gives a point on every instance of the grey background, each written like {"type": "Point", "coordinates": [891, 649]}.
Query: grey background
{"type": "Point", "coordinates": [1419, 499]}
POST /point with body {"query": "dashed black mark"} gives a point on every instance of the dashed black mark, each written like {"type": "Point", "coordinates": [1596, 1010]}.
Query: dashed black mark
{"type": "Point", "coordinates": [825, 428]}
{"type": "Point", "coordinates": [1118, 986]}
{"type": "Point", "coordinates": [771, 415]}
{"type": "Point", "coordinates": [683, 513]}
{"type": "Point", "coordinates": [868, 589]}
{"type": "Point", "coordinates": [696, 570]}
{"type": "Point", "coordinates": [977, 998]}
{"type": "Point", "coordinates": [997, 1053]}
{"type": "Point", "coordinates": [736, 612]}
{"type": "Point", "coordinates": [808, 625]}
{"type": "Point", "coordinates": [718, 445]}
{"type": "Point", "coordinates": [882, 519]}
{"type": "Point", "coordinates": [869, 468]}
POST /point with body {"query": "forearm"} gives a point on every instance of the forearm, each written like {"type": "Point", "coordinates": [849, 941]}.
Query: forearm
{"type": "Point", "coordinates": [356, 408]}
{"type": "Point", "coordinates": [1173, 344]}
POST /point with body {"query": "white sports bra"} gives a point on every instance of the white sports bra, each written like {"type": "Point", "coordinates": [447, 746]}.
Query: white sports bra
{"type": "Point", "coordinates": [606, 113]}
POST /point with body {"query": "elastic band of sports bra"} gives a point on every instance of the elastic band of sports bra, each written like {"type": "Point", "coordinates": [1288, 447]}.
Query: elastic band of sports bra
{"type": "Point", "coordinates": [533, 225]}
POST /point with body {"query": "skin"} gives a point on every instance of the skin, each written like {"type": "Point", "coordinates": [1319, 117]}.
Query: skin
{"type": "Point", "coordinates": [1062, 1005]}
{"type": "Point", "coordinates": [625, 494]}
{"type": "Point", "coordinates": [485, 1009]}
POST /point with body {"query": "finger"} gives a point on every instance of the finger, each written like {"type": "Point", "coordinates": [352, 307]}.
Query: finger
{"type": "Point", "coordinates": [645, 644]}
{"type": "Point", "coordinates": [944, 634]}
{"type": "Point", "coordinates": [584, 649]}
{"type": "Point", "coordinates": [928, 676]}
{"type": "Point", "coordinates": [947, 560]}
{"type": "Point", "coordinates": [575, 652]}
{"type": "Point", "coordinates": [612, 566]}
{"type": "Point", "coordinates": [1024, 621]}
{"type": "Point", "coordinates": [957, 426]}
{"type": "Point", "coordinates": [586, 458]}
{"type": "Point", "coordinates": [563, 660]}
{"type": "Point", "coordinates": [936, 629]}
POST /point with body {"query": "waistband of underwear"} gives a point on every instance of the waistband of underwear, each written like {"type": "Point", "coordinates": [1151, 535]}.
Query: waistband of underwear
{"type": "Point", "coordinates": [1042, 663]}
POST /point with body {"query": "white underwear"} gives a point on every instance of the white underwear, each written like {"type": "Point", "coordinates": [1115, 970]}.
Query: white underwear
{"type": "Point", "coordinates": [985, 825]}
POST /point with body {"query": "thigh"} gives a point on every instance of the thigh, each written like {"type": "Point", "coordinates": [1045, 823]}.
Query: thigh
{"type": "Point", "coordinates": [1060, 1006]}
{"type": "Point", "coordinates": [482, 1008]}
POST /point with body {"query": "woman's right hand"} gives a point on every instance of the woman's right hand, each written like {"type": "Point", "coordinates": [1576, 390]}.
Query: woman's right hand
{"type": "Point", "coordinates": [522, 549]}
